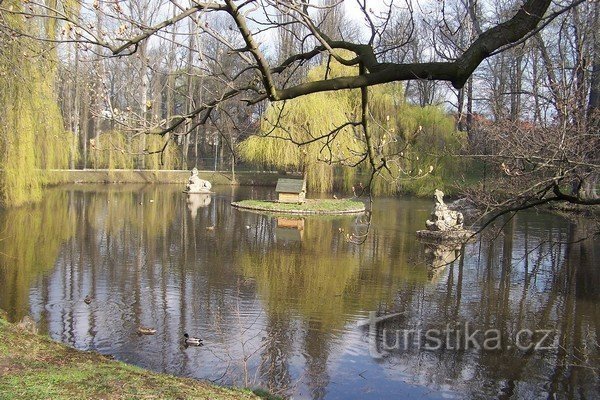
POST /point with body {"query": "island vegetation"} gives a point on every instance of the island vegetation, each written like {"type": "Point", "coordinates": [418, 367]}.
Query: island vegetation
{"type": "Point", "coordinates": [310, 206]}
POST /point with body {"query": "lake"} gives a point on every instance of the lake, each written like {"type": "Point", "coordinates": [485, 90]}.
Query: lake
{"type": "Point", "coordinates": [314, 307]}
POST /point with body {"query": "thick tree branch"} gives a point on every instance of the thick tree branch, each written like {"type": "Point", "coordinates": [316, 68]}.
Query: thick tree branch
{"type": "Point", "coordinates": [457, 72]}
{"type": "Point", "coordinates": [263, 65]}
{"type": "Point", "coordinates": [168, 22]}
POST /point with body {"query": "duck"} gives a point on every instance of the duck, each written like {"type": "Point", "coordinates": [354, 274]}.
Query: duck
{"type": "Point", "coordinates": [191, 341]}
{"type": "Point", "coordinates": [144, 330]}
{"type": "Point", "coordinates": [88, 299]}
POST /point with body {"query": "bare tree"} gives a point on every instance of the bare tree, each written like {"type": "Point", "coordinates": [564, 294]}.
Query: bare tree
{"type": "Point", "coordinates": [441, 53]}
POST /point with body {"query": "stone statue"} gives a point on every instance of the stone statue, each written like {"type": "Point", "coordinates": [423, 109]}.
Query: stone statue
{"type": "Point", "coordinates": [197, 185]}
{"type": "Point", "coordinates": [444, 237]}
{"type": "Point", "coordinates": [442, 218]}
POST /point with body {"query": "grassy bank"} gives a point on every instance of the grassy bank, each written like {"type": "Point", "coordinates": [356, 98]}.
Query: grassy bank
{"type": "Point", "coordinates": [35, 367]}
{"type": "Point", "coordinates": [311, 206]}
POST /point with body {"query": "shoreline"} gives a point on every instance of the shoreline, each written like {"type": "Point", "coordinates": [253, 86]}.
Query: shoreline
{"type": "Point", "coordinates": [33, 366]}
{"type": "Point", "coordinates": [243, 178]}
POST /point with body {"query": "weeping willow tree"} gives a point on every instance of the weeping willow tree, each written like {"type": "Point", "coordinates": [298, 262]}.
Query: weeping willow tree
{"type": "Point", "coordinates": [309, 134]}
{"type": "Point", "coordinates": [319, 135]}
{"type": "Point", "coordinates": [420, 144]}
{"type": "Point", "coordinates": [32, 136]}
{"type": "Point", "coordinates": [114, 150]}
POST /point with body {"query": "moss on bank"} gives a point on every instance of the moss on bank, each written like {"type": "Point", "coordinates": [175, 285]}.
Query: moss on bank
{"type": "Point", "coordinates": [311, 206]}
{"type": "Point", "coordinates": [35, 367]}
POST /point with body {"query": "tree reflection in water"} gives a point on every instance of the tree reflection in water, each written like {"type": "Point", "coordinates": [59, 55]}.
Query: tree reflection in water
{"type": "Point", "coordinates": [277, 301]}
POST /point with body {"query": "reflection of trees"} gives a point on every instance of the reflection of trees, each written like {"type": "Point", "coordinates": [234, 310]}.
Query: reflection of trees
{"type": "Point", "coordinates": [131, 207]}
{"type": "Point", "coordinates": [30, 240]}
{"type": "Point", "coordinates": [323, 277]}
{"type": "Point", "coordinates": [317, 349]}
{"type": "Point", "coordinates": [577, 359]}
{"type": "Point", "coordinates": [532, 277]}
{"type": "Point", "coordinates": [327, 281]}
{"type": "Point", "coordinates": [156, 265]}
{"type": "Point", "coordinates": [275, 357]}
{"type": "Point", "coordinates": [312, 286]}
{"type": "Point", "coordinates": [308, 279]}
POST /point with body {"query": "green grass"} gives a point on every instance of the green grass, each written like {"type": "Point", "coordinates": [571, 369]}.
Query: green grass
{"type": "Point", "coordinates": [310, 206]}
{"type": "Point", "coordinates": [35, 367]}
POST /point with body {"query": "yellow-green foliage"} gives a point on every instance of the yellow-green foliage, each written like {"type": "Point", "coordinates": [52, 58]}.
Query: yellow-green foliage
{"type": "Point", "coordinates": [31, 239]}
{"type": "Point", "coordinates": [426, 138]}
{"type": "Point", "coordinates": [323, 281]}
{"type": "Point", "coordinates": [394, 126]}
{"type": "Point", "coordinates": [301, 120]}
{"type": "Point", "coordinates": [114, 150]}
{"type": "Point", "coordinates": [32, 136]}
{"type": "Point", "coordinates": [119, 209]}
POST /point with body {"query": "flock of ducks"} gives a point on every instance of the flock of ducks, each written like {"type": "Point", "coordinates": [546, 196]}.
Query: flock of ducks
{"type": "Point", "coordinates": [144, 330]}
{"type": "Point", "coordinates": [187, 339]}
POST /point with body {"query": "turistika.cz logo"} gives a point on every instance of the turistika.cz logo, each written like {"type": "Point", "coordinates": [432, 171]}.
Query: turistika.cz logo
{"type": "Point", "coordinates": [453, 336]}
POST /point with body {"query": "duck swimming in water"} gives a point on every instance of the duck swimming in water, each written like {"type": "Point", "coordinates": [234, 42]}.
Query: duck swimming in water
{"type": "Point", "coordinates": [191, 341]}
{"type": "Point", "coordinates": [144, 330]}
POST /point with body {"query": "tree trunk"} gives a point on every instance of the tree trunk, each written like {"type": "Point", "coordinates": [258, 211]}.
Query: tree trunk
{"type": "Point", "coordinates": [76, 104]}
{"type": "Point", "coordinates": [593, 109]}
{"type": "Point", "coordinates": [143, 101]}
{"type": "Point", "coordinates": [470, 110]}
{"type": "Point", "coordinates": [552, 79]}
{"type": "Point", "coordinates": [98, 100]}
{"type": "Point", "coordinates": [190, 91]}
{"type": "Point", "coordinates": [515, 90]}
{"type": "Point", "coordinates": [460, 117]}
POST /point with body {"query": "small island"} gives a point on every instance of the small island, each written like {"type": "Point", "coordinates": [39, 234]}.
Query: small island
{"type": "Point", "coordinates": [309, 206]}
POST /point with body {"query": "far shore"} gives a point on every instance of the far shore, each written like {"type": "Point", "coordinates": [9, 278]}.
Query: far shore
{"type": "Point", "coordinates": [243, 178]}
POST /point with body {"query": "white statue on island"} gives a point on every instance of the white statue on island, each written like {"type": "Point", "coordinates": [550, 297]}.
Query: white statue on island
{"type": "Point", "coordinates": [197, 185]}
{"type": "Point", "coordinates": [442, 218]}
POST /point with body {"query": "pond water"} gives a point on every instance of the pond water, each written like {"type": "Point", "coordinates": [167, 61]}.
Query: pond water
{"type": "Point", "coordinates": [281, 303]}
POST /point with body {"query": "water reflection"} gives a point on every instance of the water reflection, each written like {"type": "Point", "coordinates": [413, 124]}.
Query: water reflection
{"type": "Point", "coordinates": [197, 200]}
{"type": "Point", "coordinates": [277, 299]}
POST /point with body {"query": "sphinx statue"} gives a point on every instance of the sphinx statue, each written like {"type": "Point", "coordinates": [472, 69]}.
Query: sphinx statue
{"type": "Point", "coordinates": [442, 218]}
{"type": "Point", "coordinates": [444, 224]}
{"type": "Point", "coordinates": [197, 185]}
